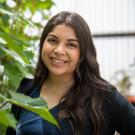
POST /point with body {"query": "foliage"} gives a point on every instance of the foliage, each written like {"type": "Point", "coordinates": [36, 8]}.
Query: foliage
{"type": "Point", "coordinates": [36, 105]}
{"type": "Point", "coordinates": [124, 80]}
{"type": "Point", "coordinates": [19, 37]}
{"type": "Point", "coordinates": [7, 119]}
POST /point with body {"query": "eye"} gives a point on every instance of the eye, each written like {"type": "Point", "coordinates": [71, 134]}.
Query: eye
{"type": "Point", "coordinates": [52, 40]}
{"type": "Point", "coordinates": [72, 45]}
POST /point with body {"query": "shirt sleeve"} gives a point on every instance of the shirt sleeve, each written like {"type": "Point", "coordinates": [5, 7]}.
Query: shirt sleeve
{"type": "Point", "coordinates": [123, 114]}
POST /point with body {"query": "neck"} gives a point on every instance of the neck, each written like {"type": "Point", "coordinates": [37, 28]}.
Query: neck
{"type": "Point", "coordinates": [59, 83]}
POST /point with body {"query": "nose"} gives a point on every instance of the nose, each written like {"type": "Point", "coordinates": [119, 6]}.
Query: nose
{"type": "Point", "coordinates": [60, 49]}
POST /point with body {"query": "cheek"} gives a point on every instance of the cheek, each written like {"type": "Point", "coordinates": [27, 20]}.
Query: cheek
{"type": "Point", "coordinates": [76, 57]}
{"type": "Point", "coordinates": [45, 50]}
{"type": "Point", "coordinates": [44, 53]}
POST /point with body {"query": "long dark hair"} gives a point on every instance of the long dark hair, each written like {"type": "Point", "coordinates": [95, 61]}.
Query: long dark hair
{"type": "Point", "coordinates": [84, 99]}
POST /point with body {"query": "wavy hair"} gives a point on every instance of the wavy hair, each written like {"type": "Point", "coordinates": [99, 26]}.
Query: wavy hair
{"type": "Point", "coordinates": [84, 99]}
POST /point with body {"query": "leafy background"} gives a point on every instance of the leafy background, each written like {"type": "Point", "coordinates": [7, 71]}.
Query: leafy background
{"type": "Point", "coordinates": [20, 30]}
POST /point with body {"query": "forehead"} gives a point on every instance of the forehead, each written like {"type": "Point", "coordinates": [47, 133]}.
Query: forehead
{"type": "Point", "coordinates": [64, 31]}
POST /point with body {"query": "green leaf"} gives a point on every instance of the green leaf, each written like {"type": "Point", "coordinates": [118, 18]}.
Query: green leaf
{"type": "Point", "coordinates": [15, 47]}
{"type": "Point", "coordinates": [28, 22]}
{"type": "Point", "coordinates": [21, 98]}
{"type": "Point", "coordinates": [12, 38]}
{"type": "Point", "coordinates": [17, 15]}
{"type": "Point", "coordinates": [2, 52]}
{"type": "Point", "coordinates": [7, 119]}
{"type": "Point", "coordinates": [6, 12]}
{"type": "Point", "coordinates": [14, 55]}
{"type": "Point", "coordinates": [36, 105]}
{"type": "Point", "coordinates": [45, 4]}
{"type": "Point", "coordinates": [37, 4]}
{"type": "Point", "coordinates": [12, 70]}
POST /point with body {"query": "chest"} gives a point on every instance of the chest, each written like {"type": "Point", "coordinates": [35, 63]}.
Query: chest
{"type": "Point", "coordinates": [32, 124]}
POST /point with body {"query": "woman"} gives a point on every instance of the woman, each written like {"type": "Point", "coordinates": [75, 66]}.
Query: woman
{"type": "Point", "coordinates": [67, 77]}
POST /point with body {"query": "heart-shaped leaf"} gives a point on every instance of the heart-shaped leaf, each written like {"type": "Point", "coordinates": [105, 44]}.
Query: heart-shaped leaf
{"type": "Point", "coordinates": [36, 105]}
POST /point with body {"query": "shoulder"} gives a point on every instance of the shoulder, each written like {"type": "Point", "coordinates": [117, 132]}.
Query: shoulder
{"type": "Point", "coordinates": [114, 98]}
{"type": "Point", "coordinates": [26, 85]}
{"type": "Point", "coordinates": [120, 111]}
{"type": "Point", "coordinates": [116, 105]}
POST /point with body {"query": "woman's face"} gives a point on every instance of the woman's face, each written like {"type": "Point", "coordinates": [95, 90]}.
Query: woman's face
{"type": "Point", "coordinates": [61, 51]}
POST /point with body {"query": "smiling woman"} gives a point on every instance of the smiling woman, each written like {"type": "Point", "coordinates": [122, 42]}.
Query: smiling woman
{"type": "Point", "coordinates": [67, 76]}
{"type": "Point", "coordinates": [61, 52]}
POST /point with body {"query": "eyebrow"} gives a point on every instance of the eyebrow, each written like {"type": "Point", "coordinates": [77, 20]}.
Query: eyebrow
{"type": "Point", "coordinates": [67, 40]}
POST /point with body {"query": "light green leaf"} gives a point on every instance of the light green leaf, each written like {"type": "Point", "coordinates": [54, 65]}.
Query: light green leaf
{"type": "Point", "coordinates": [36, 105]}
{"type": "Point", "coordinates": [9, 37]}
{"type": "Point", "coordinates": [21, 98]}
{"type": "Point", "coordinates": [15, 47]}
{"type": "Point", "coordinates": [7, 119]}
{"type": "Point", "coordinates": [14, 55]}
{"type": "Point", "coordinates": [13, 72]}
{"type": "Point", "coordinates": [17, 16]}
{"type": "Point", "coordinates": [6, 12]}
{"type": "Point", "coordinates": [28, 21]}
{"type": "Point", "coordinates": [38, 4]}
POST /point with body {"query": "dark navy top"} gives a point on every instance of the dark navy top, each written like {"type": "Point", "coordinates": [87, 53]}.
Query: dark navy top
{"type": "Point", "coordinates": [32, 124]}
{"type": "Point", "coordinates": [119, 115]}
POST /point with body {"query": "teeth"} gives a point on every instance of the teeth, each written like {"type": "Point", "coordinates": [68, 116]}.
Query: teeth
{"type": "Point", "coordinates": [58, 61]}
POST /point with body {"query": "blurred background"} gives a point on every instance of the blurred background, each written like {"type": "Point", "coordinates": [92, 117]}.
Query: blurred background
{"type": "Point", "coordinates": [112, 23]}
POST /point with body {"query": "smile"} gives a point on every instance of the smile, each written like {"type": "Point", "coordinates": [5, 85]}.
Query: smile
{"type": "Point", "coordinates": [58, 61]}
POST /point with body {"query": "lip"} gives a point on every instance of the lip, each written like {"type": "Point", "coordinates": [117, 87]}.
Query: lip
{"type": "Point", "coordinates": [58, 61]}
